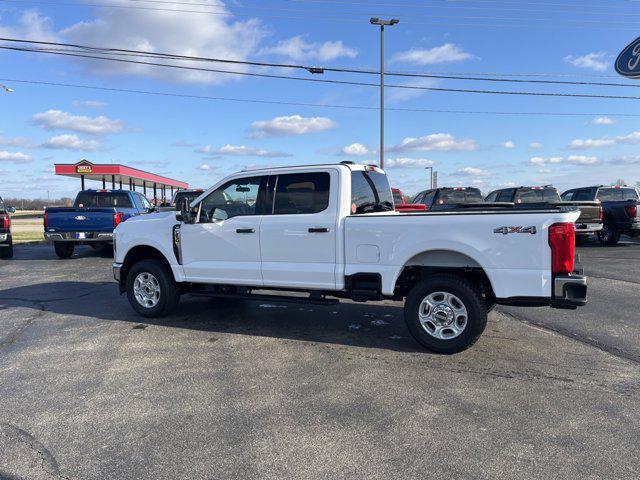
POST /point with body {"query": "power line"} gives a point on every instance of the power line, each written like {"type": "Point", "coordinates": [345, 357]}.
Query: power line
{"type": "Point", "coordinates": [147, 54]}
{"type": "Point", "coordinates": [545, 22]}
{"type": "Point", "coordinates": [315, 105]}
{"type": "Point", "coordinates": [326, 81]}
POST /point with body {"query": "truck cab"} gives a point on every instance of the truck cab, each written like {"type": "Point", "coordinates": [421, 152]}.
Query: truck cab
{"type": "Point", "coordinates": [332, 231]}
{"type": "Point", "coordinates": [92, 219]}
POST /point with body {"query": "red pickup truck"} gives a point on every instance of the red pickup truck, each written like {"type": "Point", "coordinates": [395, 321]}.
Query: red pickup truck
{"type": "Point", "coordinates": [401, 206]}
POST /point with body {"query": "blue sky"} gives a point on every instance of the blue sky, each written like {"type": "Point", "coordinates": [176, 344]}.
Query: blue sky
{"type": "Point", "coordinates": [201, 140]}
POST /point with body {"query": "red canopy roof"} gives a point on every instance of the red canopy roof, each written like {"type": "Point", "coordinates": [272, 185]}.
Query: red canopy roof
{"type": "Point", "coordinates": [120, 173]}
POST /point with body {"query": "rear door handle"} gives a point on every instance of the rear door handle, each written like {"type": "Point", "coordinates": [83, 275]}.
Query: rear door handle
{"type": "Point", "coordinates": [318, 230]}
{"type": "Point", "coordinates": [245, 230]}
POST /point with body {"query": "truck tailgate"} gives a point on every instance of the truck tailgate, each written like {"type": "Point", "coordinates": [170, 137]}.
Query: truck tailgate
{"type": "Point", "coordinates": [80, 219]}
{"type": "Point", "coordinates": [589, 211]}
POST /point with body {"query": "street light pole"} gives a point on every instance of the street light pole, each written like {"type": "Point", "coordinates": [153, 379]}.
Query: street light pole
{"type": "Point", "coordinates": [382, 24]}
{"type": "Point", "coordinates": [430, 176]}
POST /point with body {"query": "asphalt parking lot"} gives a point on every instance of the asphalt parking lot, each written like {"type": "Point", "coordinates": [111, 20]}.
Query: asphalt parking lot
{"type": "Point", "coordinates": [228, 389]}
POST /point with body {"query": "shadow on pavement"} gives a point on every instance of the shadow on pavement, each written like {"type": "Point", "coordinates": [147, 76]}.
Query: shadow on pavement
{"type": "Point", "coordinates": [371, 325]}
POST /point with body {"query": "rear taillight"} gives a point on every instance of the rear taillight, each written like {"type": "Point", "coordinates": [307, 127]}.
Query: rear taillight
{"type": "Point", "coordinates": [45, 220]}
{"type": "Point", "coordinates": [631, 210]}
{"type": "Point", "coordinates": [562, 240]}
{"type": "Point", "coordinates": [600, 214]}
{"type": "Point", "coordinates": [117, 219]}
{"type": "Point", "coordinates": [5, 221]}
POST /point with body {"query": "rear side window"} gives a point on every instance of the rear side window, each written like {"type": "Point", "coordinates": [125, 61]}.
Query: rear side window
{"type": "Point", "coordinates": [540, 195]}
{"type": "Point", "coordinates": [584, 195]}
{"type": "Point", "coordinates": [505, 195]}
{"type": "Point", "coordinates": [629, 194]}
{"type": "Point", "coordinates": [610, 194]}
{"type": "Point", "coordinates": [459, 197]}
{"type": "Point", "coordinates": [299, 193]}
{"type": "Point", "coordinates": [370, 192]}
{"type": "Point", "coordinates": [102, 200]}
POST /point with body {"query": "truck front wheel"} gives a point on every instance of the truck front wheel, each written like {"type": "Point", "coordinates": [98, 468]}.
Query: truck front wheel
{"type": "Point", "coordinates": [151, 289]}
{"type": "Point", "coordinates": [64, 249]}
{"type": "Point", "coordinates": [445, 313]}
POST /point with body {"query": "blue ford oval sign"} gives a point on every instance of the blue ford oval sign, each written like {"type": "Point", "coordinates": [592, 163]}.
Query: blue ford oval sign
{"type": "Point", "coordinates": [628, 62]}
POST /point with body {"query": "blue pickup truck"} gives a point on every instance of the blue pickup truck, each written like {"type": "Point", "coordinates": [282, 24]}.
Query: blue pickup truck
{"type": "Point", "coordinates": [92, 219]}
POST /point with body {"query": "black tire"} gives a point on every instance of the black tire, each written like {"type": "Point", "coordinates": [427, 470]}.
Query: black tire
{"type": "Point", "coordinates": [467, 293]}
{"type": "Point", "coordinates": [64, 250]}
{"type": "Point", "coordinates": [6, 252]}
{"type": "Point", "coordinates": [609, 235]}
{"type": "Point", "coordinates": [169, 292]}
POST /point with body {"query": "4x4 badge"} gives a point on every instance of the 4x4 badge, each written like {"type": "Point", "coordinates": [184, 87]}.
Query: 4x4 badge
{"type": "Point", "coordinates": [506, 230]}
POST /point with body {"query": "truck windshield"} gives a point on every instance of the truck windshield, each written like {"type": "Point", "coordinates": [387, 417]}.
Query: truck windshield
{"type": "Point", "coordinates": [370, 192]}
{"type": "Point", "coordinates": [537, 195]}
{"type": "Point", "coordinates": [459, 196]}
{"type": "Point", "coordinates": [102, 199]}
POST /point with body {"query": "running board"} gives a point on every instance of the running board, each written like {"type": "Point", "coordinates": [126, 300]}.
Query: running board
{"type": "Point", "coordinates": [311, 300]}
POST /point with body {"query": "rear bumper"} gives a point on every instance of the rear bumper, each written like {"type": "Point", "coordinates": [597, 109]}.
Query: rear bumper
{"type": "Point", "coordinates": [72, 237]}
{"type": "Point", "coordinates": [586, 228]}
{"type": "Point", "coordinates": [569, 291]}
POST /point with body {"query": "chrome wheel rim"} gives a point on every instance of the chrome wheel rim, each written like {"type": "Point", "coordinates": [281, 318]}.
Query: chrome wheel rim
{"type": "Point", "coordinates": [146, 289]}
{"type": "Point", "coordinates": [443, 315]}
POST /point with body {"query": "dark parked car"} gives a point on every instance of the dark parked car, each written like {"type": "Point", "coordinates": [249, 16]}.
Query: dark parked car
{"type": "Point", "coordinates": [92, 219]}
{"type": "Point", "coordinates": [620, 209]}
{"type": "Point", "coordinates": [589, 222]}
{"type": "Point", "coordinates": [6, 241]}
{"type": "Point", "coordinates": [449, 198]}
{"type": "Point", "coordinates": [189, 193]}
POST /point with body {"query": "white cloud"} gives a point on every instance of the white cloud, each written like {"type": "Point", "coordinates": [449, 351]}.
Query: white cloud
{"type": "Point", "coordinates": [442, 54]}
{"type": "Point", "coordinates": [594, 61]}
{"type": "Point", "coordinates": [59, 120]}
{"type": "Point", "coordinates": [194, 34]}
{"type": "Point", "coordinates": [473, 172]}
{"type": "Point", "coordinates": [626, 160]}
{"type": "Point", "coordinates": [535, 145]}
{"type": "Point", "coordinates": [297, 48]}
{"type": "Point", "coordinates": [443, 142]}
{"type": "Point", "coordinates": [14, 157]}
{"type": "Point", "coordinates": [590, 143]}
{"type": "Point", "coordinates": [14, 141]}
{"type": "Point", "coordinates": [241, 151]}
{"type": "Point", "coordinates": [539, 161]}
{"type": "Point", "coordinates": [508, 144]}
{"type": "Point", "coordinates": [71, 142]}
{"type": "Point", "coordinates": [31, 25]}
{"type": "Point", "coordinates": [291, 125]}
{"type": "Point", "coordinates": [205, 167]}
{"type": "Point", "coordinates": [582, 160]}
{"type": "Point", "coordinates": [603, 121]}
{"type": "Point", "coordinates": [89, 103]}
{"type": "Point", "coordinates": [408, 162]}
{"type": "Point", "coordinates": [356, 150]}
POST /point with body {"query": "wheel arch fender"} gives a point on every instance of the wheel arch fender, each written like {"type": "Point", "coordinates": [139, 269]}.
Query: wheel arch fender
{"type": "Point", "coordinates": [141, 252]}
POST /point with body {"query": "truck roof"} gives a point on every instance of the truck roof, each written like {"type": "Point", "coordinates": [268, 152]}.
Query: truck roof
{"type": "Point", "coordinates": [350, 165]}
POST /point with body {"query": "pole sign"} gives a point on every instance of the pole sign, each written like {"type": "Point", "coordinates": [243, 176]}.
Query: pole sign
{"type": "Point", "coordinates": [628, 62]}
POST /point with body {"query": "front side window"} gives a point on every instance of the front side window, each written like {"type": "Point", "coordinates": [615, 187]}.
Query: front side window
{"type": "Point", "coordinates": [491, 197]}
{"type": "Point", "coordinates": [145, 203]}
{"type": "Point", "coordinates": [505, 195]}
{"type": "Point", "coordinates": [299, 193]}
{"type": "Point", "coordinates": [567, 196]}
{"type": "Point", "coordinates": [235, 198]}
{"type": "Point", "coordinates": [583, 195]}
{"type": "Point", "coordinates": [370, 192]}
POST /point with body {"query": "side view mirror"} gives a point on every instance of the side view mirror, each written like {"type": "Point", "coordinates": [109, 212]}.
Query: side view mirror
{"type": "Point", "coordinates": [11, 209]}
{"type": "Point", "coordinates": [220, 215]}
{"type": "Point", "coordinates": [185, 214]}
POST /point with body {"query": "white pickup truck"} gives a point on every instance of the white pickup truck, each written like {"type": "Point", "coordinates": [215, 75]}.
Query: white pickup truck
{"type": "Point", "coordinates": [331, 231]}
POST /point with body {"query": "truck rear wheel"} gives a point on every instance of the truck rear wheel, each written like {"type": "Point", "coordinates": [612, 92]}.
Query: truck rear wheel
{"type": "Point", "coordinates": [151, 289]}
{"type": "Point", "coordinates": [609, 235]}
{"type": "Point", "coordinates": [64, 249]}
{"type": "Point", "coordinates": [445, 313]}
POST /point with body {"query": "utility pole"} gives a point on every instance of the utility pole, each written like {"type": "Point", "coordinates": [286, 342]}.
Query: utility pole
{"type": "Point", "coordinates": [382, 24]}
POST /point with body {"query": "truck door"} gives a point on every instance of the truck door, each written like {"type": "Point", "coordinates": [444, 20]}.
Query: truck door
{"type": "Point", "coordinates": [223, 246]}
{"type": "Point", "coordinates": [298, 240]}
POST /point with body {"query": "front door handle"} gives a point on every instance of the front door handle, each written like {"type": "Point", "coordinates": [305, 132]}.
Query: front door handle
{"type": "Point", "coordinates": [245, 230]}
{"type": "Point", "coordinates": [318, 230]}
